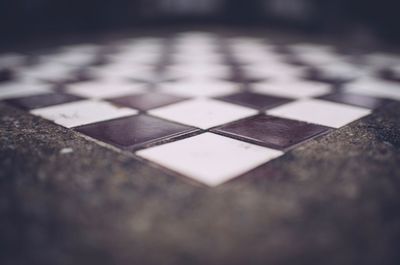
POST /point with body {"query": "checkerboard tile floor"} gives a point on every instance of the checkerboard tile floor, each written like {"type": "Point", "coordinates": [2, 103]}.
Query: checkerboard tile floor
{"type": "Point", "coordinates": [205, 106]}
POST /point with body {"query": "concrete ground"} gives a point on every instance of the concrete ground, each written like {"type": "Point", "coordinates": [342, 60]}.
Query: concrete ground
{"type": "Point", "coordinates": [334, 200]}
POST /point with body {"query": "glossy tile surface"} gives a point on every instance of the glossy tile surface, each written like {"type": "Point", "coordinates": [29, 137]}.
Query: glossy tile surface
{"type": "Point", "coordinates": [255, 100]}
{"type": "Point", "coordinates": [134, 131]}
{"type": "Point", "coordinates": [209, 158]}
{"type": "Point", "coordinates": [203, 113]}
{"type": "Point", "coordinates": [320, 112]}
{"type": "Point", "coordinates": [147, 101]}
{"type": "Point", "coordinates": [82, 112]}
{"type": "Point", "coordinates": [272, 131]}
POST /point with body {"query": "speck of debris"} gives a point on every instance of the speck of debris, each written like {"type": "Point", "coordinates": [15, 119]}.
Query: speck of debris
{"type": "Point", "coordinates": [66, 151]}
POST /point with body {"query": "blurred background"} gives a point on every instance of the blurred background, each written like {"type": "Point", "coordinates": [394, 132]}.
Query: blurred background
{"type": "Point", "coordinates": [27, 19]}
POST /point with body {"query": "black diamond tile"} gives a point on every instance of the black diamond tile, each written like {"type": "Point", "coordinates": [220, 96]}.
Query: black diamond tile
{"type": "Point", "coordinates": [255, 100]}
{"type": "Point", "coordinates": [238, 76]}
{"type": "Point", "coordinates": [6, 74]}
{"type": "Point", "coordinates": [42, 100]}
{"type": "Point", "coordinates": [271, 131]}
{"type": "Point", "coordinates": [314, 74]}
{"type": "Point", "coordinates": [147, 101]}
{"type": "Point", "coordinates": [135, 131]}
{"type": "Point", "coordinates": [390, 74]}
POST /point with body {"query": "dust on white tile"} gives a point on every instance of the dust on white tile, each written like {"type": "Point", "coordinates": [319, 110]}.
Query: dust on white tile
{"type": "Point", "coordinates": [82, 112]}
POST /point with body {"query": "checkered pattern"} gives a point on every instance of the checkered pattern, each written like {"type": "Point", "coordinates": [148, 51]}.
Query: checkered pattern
{"type": "Point", "coordinates": [203, 106]}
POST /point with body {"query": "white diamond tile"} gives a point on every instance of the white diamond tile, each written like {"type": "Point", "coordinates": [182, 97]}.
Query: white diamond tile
{"type": "Point", "coordinates": [196, 42]}
{"type": "Point", "coordinates": [125, 71]}
{"type": "Point", "coordinates": [242, 50]}
{"type": "Point", "coordinates": [142, 45]}
{"type": "Point", "coordinates": [105, 89]}
{"type": "Point", "coordinates": [209, 158]}
{"type": "Point", "coordinates": [320, 57]}
{"type": "Point", "coordinates": [11, 59]}
{"type": "Point", "coordinates": [199, 88]}
{"type": "Point", "coordinates": [201, 45]}
{"type": "Point", "coordinates": [248, 58]}
{"type": "Point", "coordinates": [22, 89]}
{"type": "Point", "coordinates": [48, 71]}
{"type": "Point", "coordinates": [341, 70]}
{"type": "Point", "coordinates": [320, 112]}
{"type": "Point", "coordinates": [82, 112]}
{"type": "Point", "coordinates": [272, 70]}
{"type": "Point", "coordinates": [294, 88]}
{"type": "Point", "coordinates": [375, 87]}
{"type": "Point", "coordinates": [201, 70]}
{"type": "Point", "coordinates": [196, 58]}
{"type": "Point", "coordinates": [120, 71]}
{"type": "Point", "coordinates": [70, 58]}
{"type": "Point", "coordinates": [122, 66]}
{"type": "Point", "coordinates": [196, 35]}
{"type": "Point", "coordinates": [203, 113]}
{"type": "Point", "coordinates": [136, 57]}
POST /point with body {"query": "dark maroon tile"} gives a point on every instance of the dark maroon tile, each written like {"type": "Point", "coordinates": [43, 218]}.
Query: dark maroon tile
{"type": "Point", "coordinates": [6, 74]}
{"type": "Point", "coordinates": [135, 131]}
{"type": "Point", "coordinates": [100, 60]}
{"type": "Point", "coordinates": [294, 60]}
{"type": "Point", "coordinates": [314, 74]}
{"type": "Point", "coordinates": [390, 74]}
{"type": "Point", "coordinates": [355, 99]}
{"type": "Point", "coordinates": [239, 76]}
{"type": "Point", "coordinates": [43, 100]}
{"type": "Point", "coordinates": [271, 131]}
{"type": "Point", "coordinates": [147, 101]}
{"type": "Point", "coordinates": [255, 100]}
{"type": "Point", "coordinates": [159, 77]}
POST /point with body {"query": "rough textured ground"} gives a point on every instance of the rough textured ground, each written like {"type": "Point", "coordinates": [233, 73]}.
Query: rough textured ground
{"type": "Point", "coordinates": [334, 200]}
